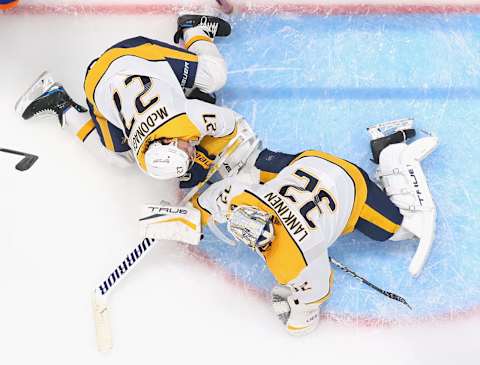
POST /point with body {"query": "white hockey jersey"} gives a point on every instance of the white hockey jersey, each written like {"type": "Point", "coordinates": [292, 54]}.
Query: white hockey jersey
{"type": "Point", "coordinates": [313, 200]}
{"type": "Point", "coordinates": [135, 93]}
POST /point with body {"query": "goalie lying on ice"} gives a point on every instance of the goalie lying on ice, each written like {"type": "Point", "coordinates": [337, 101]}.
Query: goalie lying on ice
{"type": "Point", "coordinates": [291, 208]}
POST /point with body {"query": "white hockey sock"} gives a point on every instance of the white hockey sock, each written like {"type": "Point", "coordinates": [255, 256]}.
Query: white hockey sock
{"type": "Point", "coordinates": [212, 70]}
{"type": "Point", "coordinates": [78, 123]}
{"type": "Point", "coordinates": [198, 42]}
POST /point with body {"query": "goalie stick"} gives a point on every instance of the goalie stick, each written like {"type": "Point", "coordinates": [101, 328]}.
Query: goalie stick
{"type": "Point", "coordinates": [26, 162]}
{"type": "Point", "coordinates": [388, 294]}
{"type": "Point", "coordinates": [100, 296]}
{"type": "Point", "coordinates": [101, 293]}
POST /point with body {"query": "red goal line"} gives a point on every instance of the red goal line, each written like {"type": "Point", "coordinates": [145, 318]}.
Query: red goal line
{"type": "Point", "coordinates": [296, 9]}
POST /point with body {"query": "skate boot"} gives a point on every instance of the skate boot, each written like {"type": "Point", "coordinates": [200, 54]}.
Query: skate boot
{"type": "Point", "coordinates": [382, 136]}
{"type": "Point", "coordinates": [46, 97]}
{"type": "Point", "coordinates": [211, 25]}
{"type": "Point", "coordinates": [200, 95]}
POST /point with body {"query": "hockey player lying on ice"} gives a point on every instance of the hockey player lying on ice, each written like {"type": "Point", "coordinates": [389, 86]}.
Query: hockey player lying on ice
{"type": "Point", "coordinates": [137, 104]}
{"type": "Point", "coordinates": [288, 208]}
{"type": "Point", "coordinates": [291, 208]}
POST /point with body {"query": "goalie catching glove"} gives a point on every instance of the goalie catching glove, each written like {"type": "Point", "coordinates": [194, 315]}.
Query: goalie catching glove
{"type": "Point", "coordinates": [198, 172]}
{"type": "Point", "coordinates": [298, 318]}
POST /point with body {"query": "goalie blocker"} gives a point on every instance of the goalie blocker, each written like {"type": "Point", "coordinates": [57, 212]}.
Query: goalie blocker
{"type": "Point", "coordinates": [168, 223]}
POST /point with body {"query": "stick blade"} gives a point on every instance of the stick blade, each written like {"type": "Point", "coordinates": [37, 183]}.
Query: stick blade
{"type": "Point", "coordinates": [26, 162]}
{"type": "Point", "coordinates": [102, 323]}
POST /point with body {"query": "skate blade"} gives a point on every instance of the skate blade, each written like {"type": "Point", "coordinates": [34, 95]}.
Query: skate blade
{"type": "Point", "coordinates": [382, 129]}
{"type": "Point", "coordinates": [41, 84]}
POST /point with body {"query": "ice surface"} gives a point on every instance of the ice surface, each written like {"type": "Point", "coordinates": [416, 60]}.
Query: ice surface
{"type": "Point", "coordinates": [303, 82]}
{"type": "Point", "coordinates": [318, 82]}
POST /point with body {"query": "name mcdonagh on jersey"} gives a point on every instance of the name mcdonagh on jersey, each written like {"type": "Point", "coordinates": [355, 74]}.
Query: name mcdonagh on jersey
{"type": "Point", "coordinates": [143, 129]}
{"type": "Point", "coordinates": [289, 219]}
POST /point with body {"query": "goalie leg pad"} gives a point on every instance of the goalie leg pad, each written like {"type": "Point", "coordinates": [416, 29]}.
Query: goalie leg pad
{"type": "Point", "coordinates": [402, 176]}
{"type": "Point", "coordinates": [164, 222]}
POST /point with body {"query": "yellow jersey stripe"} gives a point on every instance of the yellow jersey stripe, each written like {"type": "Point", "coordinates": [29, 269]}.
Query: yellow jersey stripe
{"type": "Point", "coordinates": [103, 123]}
{"type": "Point", "coordinates": [147, 51]}
{"type": "Point", "coordinates": [86, 130]}
{"type": "Point", "coordinates": [266, 176]}
{"type": "Point", "coordinates": [358, 181]}
{"type": "Point", "coordinates": [215, 145]}
{"type": "Point", "coordinates": [197, 38]}
{"type": "Point", "coordinates": [372, 216]}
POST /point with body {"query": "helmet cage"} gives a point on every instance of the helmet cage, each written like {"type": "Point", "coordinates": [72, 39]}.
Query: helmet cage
{"type": "Point", "coordinates": [252, 226]}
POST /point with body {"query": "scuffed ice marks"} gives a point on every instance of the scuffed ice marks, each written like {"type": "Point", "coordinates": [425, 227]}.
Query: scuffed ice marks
{"type": "Point", "coordinates": [318, 82]}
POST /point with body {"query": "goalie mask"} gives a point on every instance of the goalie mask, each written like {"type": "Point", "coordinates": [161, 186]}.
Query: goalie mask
{"type": "Point", "coordinates": [167, 161]}
{"type": "Point", "coordinates": [252, 226]}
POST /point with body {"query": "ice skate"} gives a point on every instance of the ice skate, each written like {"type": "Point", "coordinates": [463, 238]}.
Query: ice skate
{"type": "Point", "coordinates": [212, 26]}
{"type": "Point", "coordinates": [195, 93]}
{"type": "Point", "coordinates": [46, 96]}
{"type": "Point", "coordinates": [384, 134]}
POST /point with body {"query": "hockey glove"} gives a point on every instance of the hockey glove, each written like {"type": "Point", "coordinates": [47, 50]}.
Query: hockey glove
{"type": "Point", "coordinates": [298, 318]}
{"type": "Point", "coordinates": [199, 170]}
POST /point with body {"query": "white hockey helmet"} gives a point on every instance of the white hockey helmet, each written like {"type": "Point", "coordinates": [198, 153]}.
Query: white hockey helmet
{"type": "Point", "coordinates": [252, 226]}
{"type": "Point", "coordinates": [166, 161]}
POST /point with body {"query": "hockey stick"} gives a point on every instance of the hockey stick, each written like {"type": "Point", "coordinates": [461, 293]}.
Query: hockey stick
{"type": "Point", "coordinates": [388, 294]}
{"type": "Point", "coordinates": [229, 149]}
{"type": "Point", "coordinates": [101, 293]}
{"type": "Point", "coordinates": [27, 161]}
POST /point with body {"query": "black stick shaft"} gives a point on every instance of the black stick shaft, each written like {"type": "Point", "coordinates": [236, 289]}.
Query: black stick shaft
{"type": "Point", "coordinates": [388, 294]}
{"type": "Point", "coordinates": [6, 150]}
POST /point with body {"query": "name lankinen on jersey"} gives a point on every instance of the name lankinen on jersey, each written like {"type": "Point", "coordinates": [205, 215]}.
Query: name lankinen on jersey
{"type": "Point", "coordinates": [289, 219]}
